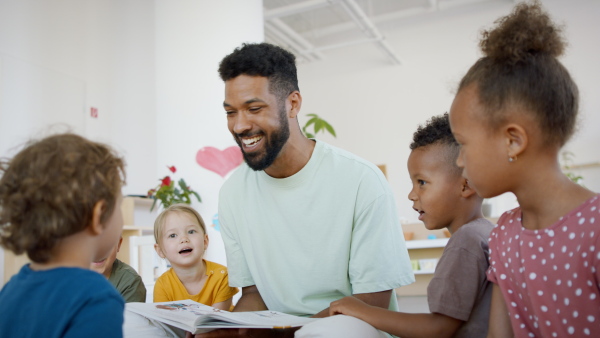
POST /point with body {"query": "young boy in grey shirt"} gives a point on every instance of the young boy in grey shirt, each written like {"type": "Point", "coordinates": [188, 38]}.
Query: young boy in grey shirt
{"type": "Point", "coordinates": [459, 294]}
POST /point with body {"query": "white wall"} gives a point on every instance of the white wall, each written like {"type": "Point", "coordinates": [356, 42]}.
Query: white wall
{"type": "Point", "coordinates": [150, 67]}
{"type": "Point", "coordinates": [375, 107]}
{"type": "Point", "coordinates": [81, 54]}
{"type": "Point", "coordinates": [191, 39]}
{"type": "Point", "coordinates": [58, 58]}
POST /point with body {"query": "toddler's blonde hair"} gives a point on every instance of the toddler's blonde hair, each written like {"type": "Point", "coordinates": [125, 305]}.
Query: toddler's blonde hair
{"type": "Point", "coordinates": [180, 207]}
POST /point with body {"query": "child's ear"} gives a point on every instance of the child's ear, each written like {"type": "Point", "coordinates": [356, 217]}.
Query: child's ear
{"type": "Point", "coordinates": [159, 251]}
{"type": "Point", "coordinates": [206, 241]}
{"type": "Point", "coordinates": [119, 245]}
{"type": "Point", "coordinates": [516, 139]}
{"type": "Point", "coordinates": [466, 191]}
{"type": "Point", "coordinates": [95, 226]}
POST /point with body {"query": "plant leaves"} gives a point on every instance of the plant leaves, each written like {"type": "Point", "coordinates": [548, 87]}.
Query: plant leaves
{"type": "Point", "coordinates": [197, 196]}
{"type": "Point", "coordinates": [318, 126]}
{"type": "Point", "coordinates": [329, 128]}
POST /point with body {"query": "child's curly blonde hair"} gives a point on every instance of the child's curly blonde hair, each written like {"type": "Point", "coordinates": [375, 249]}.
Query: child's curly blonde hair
{"type": "Point", "coordinates": [49, 189]}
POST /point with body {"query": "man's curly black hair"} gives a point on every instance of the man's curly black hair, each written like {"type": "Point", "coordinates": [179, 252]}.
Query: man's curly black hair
{"type": "Point", "coordinates": [437, 131]}
{"type": "Point", "coordinates": [263, 59]}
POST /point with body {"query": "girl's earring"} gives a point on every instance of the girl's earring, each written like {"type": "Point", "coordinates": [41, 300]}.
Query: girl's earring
{"type": "Point", "coordinates": [512, 158]}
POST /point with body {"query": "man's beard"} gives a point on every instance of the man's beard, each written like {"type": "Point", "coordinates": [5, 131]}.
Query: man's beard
{"type": "Point", "coordinates": [273, 145]}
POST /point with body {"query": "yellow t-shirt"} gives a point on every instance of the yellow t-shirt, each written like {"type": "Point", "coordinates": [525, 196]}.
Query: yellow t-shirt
{"type": "Point", "coordinates": [168, 287]}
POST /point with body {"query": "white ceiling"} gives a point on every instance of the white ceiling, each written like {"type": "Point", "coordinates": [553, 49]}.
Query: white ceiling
{"type": "Point", "coordinates": [309, 28]}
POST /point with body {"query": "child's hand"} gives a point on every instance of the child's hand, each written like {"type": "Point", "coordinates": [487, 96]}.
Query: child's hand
{"type": "Point", "coordinates": [350, 306]}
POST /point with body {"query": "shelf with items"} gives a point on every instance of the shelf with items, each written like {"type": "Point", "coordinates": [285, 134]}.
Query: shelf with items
{"type": "Point", "coordinates": [138, 220]}
{"type": "Point", "coordinates": [426, 243]}
{"type": "Point", "coordinates": [137, 248]}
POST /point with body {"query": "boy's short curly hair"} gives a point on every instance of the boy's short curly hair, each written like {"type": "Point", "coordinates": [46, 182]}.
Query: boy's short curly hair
{"type": "Point", "coordinates": [263, 59]}
{"type": "Point", "coordinates": [437, 131]}
{"type": "Point", "coordinates": [49, 189]}
{"type": "Point", "coordinates": [159, 223]}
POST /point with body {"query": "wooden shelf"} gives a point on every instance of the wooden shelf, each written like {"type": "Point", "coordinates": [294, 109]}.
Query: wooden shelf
{"type": "Point", "coordinates": [138, 227]}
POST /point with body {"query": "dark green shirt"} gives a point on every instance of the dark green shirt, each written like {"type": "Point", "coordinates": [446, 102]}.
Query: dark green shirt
{"type": "Point", "coordinates": [127, 281]}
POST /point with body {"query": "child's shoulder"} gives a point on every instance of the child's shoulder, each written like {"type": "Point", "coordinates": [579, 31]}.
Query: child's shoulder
{"type": "Point", "coordinates": [475, 231]}
{"type": "Point", "coordinates": [76, 282]}
{"type": "Point", "coordinates": [215, 268]}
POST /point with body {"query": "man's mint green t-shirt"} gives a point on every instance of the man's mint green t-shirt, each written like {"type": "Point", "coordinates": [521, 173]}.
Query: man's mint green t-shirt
{"type": "Point", "coordinates": [331, 230]}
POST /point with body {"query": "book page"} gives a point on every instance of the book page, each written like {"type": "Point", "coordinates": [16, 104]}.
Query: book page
{"type": "Point", "coordinates": [266, 319]}
{"type": "Point", "coordinates": [182, 314]}
{"type": "Point", "coordinates": [195, 317]}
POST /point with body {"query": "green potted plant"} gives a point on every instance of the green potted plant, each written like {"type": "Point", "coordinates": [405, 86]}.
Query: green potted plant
{"type": "Point", "coordinates": [169, 192]}
{"type": "Point", "coordinates": [318, 125]}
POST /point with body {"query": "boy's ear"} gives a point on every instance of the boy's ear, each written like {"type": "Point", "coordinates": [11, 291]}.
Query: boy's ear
{"type": "Point", "coordinates": [119, 245]}
{"type": "Point", "coordinates": [516, 139]}
{"type": "Point", "coordinates": [95, 226]}
{"type": "Point", "coordinates": [466, 191]}
{"type": "Point", "coordinates": [159, 251]}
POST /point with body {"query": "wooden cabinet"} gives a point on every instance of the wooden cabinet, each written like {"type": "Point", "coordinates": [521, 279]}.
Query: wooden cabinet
{"type": "Point", "coordinates": [138, 220]}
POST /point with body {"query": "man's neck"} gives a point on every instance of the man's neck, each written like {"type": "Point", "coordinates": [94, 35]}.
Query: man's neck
{"type": "Point", "coordinates": [294, 155]}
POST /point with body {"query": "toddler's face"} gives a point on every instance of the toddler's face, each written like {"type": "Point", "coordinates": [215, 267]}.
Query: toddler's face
{"type": "Point", "coordinates": [182, 241]}
{"type": "Point", "coordinates": [436, 187]}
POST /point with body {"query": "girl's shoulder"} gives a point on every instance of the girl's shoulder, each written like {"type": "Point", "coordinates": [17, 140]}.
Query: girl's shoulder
{"type": "Point", "coordinates": [213, 268]}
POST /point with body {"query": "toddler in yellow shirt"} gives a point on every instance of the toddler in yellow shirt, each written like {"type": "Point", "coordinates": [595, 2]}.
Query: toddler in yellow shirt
{"type": "Point", "coordinates": [181, 238]}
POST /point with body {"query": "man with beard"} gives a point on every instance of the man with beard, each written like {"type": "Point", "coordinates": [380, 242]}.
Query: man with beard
{"type": "Point", "coordinates": [304, 223]}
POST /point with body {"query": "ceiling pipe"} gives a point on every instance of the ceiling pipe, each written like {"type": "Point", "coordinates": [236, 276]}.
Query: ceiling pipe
{"type": "Point", "coordinates": [297, 8]}
{"type": "Point", "coordinates": [282, 32]}
{"type": "Point", "coordinates": [302, 42]}
{"type": "Point", "coordinates": [297, 49]}
{"type": "Point", "coordinates": [278, 41]}
{"type": "Point", "coordinates": [402, 14]}
{"type": "Point", "coordinates": [363, 21]}
{"type": "Point", "coordinates": [345, 44]}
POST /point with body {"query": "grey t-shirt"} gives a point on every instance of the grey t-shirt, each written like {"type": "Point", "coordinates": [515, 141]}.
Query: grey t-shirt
{"type": "Point", "coordinates": [459, 288]}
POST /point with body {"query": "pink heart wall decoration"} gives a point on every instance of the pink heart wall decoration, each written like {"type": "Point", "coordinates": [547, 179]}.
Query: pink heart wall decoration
{"type": "Point", "coordinates": [219, 161]}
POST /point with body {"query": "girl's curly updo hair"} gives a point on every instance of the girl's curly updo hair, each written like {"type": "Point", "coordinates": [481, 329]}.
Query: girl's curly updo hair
{"type": "Point", "coordinates": [520, 68]}
{"type": "Point", "coordinates": [49, 189]}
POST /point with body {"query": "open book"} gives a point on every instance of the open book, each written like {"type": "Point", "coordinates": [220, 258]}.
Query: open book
{"type": "Point", "coordinates": [198, 318]}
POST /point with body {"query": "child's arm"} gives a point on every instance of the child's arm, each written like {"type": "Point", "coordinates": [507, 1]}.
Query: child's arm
{"type": "Point", "coordinates": [405, 325]}
{"type": "Point", "coordinates": [224, 305]}
{"type": "Point", "coordinates": [160, 294]}
{"type": "Point", "coordinates": [499, 320]}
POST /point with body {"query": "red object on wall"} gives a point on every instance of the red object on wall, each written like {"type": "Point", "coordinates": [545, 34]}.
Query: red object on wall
{"type": "Point", "coordinates": [94, 112]}
{"type": "Point", "coordinates": [219, 161]}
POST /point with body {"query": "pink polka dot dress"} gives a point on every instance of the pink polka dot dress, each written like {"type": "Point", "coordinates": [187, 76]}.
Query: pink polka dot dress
{"type": "Point", "coordinates": [550, 277]}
